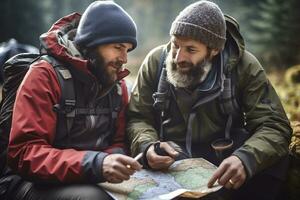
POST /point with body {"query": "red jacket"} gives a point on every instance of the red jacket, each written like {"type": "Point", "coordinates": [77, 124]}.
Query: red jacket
{"type": "Point", "coordinates": [33, 149]}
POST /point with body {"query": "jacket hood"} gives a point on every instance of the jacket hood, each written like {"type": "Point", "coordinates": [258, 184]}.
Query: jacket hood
{"type": "Point", "coordinates": [235, 44]}
{"type": "Point", "coordinates": [51, 41]}
{"type": "Point", "coordinates": [58, 42]}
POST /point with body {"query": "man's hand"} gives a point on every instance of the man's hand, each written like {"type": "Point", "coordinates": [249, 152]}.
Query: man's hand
{"type": "Point", "coordinates": [117, 167]}
{"type": "Point", "coordinates": [161, 162]}
{"type": "Point", "coordinates": [230, 174]}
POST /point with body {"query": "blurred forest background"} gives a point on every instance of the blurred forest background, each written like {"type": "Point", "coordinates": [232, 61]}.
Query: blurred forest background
{"type": "Point", "coordinates": [269, 27]}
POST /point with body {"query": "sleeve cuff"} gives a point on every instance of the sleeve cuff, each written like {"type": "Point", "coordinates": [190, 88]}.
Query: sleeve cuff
{"type": "Point", "coordinates": [248, 161]}
{"type": "Point", "coordinates": [92, 166]}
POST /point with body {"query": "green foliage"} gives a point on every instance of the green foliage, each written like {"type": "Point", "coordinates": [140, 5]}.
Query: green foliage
{"type": "Point", "coordinates": [268, 26]}
{"type": "Point", "coordinates": [26, 20]}
{"type": "Point", "coordinates": [275, 31]}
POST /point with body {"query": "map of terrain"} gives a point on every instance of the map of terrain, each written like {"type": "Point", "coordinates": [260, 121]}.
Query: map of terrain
{"type": "Point", "coordinates": [184, 178]}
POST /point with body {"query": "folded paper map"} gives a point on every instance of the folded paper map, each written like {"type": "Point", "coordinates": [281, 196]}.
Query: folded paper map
{"type": "Point", "coordinates": [187, 178]}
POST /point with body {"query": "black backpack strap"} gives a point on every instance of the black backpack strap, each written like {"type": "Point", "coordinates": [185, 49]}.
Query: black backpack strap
{"type": "Point", "coordinates": [161, 96]}
{"type": "Point", "coordinates": [161, 84]}
{"type": "Point", "coordinates": [228, 99]}
{"type": "Point", "coordinates": [67, 102]}
{"type": "Point", "coordinates": [162, 62]}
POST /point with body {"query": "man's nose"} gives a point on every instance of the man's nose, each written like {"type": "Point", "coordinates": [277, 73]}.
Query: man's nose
{"type": "Point", "coordinates": [123, 58]}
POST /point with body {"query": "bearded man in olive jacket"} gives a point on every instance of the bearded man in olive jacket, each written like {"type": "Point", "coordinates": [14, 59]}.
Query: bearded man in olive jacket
{"type": "Point", "coordinates": [205, 51]}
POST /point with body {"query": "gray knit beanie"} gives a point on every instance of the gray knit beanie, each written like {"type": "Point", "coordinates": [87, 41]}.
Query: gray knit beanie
{"type": "Point", "coordinates": [203, 21]}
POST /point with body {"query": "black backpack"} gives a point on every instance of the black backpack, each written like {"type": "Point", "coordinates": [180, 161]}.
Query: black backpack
{"type": "Point", "coordinates": [14, 71]}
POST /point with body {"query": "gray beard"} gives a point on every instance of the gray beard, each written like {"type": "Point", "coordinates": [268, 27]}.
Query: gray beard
{"type": "Point", "coordinates": [186, 80]}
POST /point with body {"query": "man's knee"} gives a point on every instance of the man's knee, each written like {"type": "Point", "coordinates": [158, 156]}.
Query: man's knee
{"type": "Point", "coordinates": [87, 192]}
{"type": "Point", "coordinates": [66, 192]}
{"type": "Point", "coordinates": [262, 186]}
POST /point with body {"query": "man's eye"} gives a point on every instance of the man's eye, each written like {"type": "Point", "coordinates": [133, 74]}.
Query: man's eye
{"type": "Point", "coordinates": [191, 50]}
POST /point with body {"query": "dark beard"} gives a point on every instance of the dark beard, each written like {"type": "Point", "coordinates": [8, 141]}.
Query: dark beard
{"type": "Point", "coordinates": [97, 67]}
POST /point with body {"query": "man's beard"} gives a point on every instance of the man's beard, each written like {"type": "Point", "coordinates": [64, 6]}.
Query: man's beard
{"type": "Point", "coordinates": [187, 79]}
{"type": "Point", "coordinates": [98, 68]}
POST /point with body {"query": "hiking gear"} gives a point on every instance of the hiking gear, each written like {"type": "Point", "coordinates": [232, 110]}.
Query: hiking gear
{"type": "Point", "coordinates": [14, 70]}
{"type": "Point", "coordinates": [9, 49]}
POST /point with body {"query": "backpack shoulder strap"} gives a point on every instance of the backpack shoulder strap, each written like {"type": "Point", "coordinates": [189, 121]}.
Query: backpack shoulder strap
{"type": "Point", "coordinates": [228, 102]}
{"type": "Point", "coordinates": [162, 87]}
{"type": "Point", "coordinates": [67, 102]}
{"type": "Point", "coordinates": [161, 96]}
{"type": "Point", "coordinates": [161, 65]}
{"type": "Point", "coordinates": [228, 99]}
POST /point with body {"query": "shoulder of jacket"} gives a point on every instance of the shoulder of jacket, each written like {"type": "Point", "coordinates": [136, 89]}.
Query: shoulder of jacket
{"type": "Point", "coordinates": [155, 53]}
{"type": "Point", "coordinates": [150, 65]}
{"type": "Point", "coordinates": [250, 64]}
{"type": "Point", "coordinates": [42, 68]}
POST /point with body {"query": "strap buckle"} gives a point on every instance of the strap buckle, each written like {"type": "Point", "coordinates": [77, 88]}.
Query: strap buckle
{"type": "Point", "coordinates": [69, 107]}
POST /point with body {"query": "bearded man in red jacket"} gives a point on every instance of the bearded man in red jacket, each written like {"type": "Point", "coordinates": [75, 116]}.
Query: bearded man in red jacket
{"type": "Point", "coordinates": [69, 161]}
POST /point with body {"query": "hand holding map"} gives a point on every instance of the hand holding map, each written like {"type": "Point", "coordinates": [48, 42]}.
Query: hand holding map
{"type": "Point", "coordinates": [186, 178]}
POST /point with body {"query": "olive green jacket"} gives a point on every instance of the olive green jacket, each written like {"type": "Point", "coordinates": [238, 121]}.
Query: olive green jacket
{"type": "Point", "coordinates": [262, 114]}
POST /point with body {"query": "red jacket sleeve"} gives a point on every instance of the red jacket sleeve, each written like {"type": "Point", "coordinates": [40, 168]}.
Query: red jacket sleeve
{"type": "Point", "coordinates": [33, 130]}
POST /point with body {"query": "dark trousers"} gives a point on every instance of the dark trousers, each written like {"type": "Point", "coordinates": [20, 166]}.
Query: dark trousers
{"type": "Point", "coordinates": [263, 187]}
{"type": "Point", "coordinates": [260, 187]}
{"type": "Point", "coordinates": [29, 191]}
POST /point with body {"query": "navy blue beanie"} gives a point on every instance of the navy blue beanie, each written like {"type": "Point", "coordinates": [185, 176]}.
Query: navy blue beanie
{"type": "Point", "coordinates": [105, 22]}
